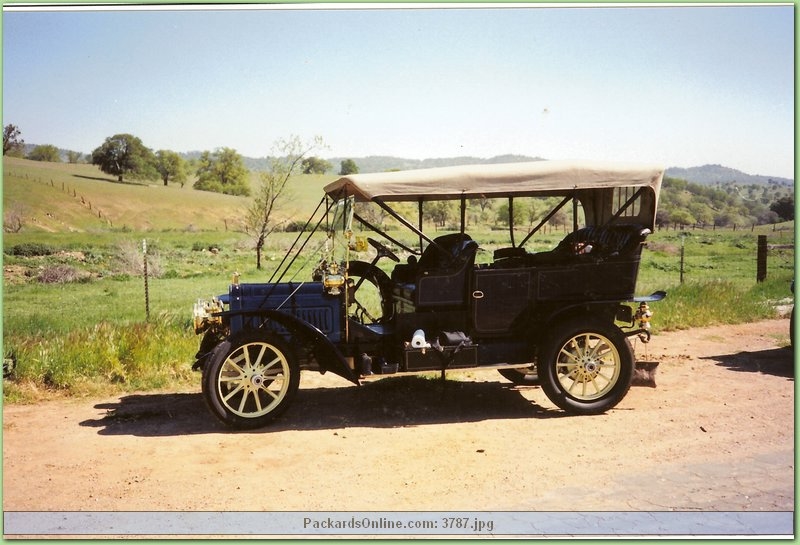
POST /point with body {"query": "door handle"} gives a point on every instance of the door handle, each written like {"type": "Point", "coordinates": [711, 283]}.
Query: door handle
{"type": "Point", "coordinates": [477, 294]}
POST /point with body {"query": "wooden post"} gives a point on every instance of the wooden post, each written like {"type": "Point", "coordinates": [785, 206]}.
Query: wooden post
{"type": "Point", "coordinates": [761, 259]}
{"type": "Point", "coordinates": [683, 239]}
{"type": "Point", "coordinates": [146, 287]}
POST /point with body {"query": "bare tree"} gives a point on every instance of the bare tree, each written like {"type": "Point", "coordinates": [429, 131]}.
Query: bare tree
{"type": "Point", "coordinates": [14, 218]}
{"type": "Point", "coordinates": [286, 162]}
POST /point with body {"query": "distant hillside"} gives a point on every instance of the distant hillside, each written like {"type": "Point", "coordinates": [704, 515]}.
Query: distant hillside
{"type": "Point", "coordinates": [718, 174]}
{"type": "Point", "coordinates": [380, 163]}
{"type": "Point", "coordinates": [384, 163]}
{"type": "Point", "coordinates": [61, 197]}
{"type": "Point", "coordinates": [706, 174]}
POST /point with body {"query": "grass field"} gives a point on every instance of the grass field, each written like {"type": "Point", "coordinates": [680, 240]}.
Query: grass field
{"type": "Point", "coordinates": [89, 333]}
{"type": "Point", "coordinates": [60, 197]}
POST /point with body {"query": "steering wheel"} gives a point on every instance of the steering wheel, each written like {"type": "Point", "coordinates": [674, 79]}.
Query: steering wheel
{"type": "Point", "coordinates": [382, 250]}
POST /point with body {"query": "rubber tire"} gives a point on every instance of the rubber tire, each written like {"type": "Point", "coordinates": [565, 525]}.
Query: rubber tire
{"type": "Point", "coordinates": [618, 385]}
{"type": "Point", "coordinates": [216, 364]}
{"type": "Point", "coordinates": [520, 377]}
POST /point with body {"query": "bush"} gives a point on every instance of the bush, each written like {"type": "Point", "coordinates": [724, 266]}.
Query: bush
{"type": "Point", "coordinates": [204, 246]}
{"type": "Point", "coordinates": [31, 249]}
{"type": "Point", "coordinates": [61, 274]}
{"type": "Point", "coordinates": [130, 260]}
{"type": "Point", "coordinates": [294, 226]}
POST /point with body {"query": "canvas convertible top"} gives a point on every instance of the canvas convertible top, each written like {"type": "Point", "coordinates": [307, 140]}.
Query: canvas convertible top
{"type": "Point", "coordinates": [496, 180]}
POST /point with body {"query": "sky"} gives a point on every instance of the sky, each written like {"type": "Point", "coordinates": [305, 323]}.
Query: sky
{"type": "Point", "coordinates": [678, 85]}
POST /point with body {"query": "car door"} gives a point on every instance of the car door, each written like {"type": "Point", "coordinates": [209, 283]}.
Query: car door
{"type": "Point", "coordinates": [498, 298]}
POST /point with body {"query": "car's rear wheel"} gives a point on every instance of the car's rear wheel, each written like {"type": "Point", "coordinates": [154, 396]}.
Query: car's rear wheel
{"type": "Point", "coordinates": [250, 379]}
{"type": "Point", "coordinates": [586, 366]}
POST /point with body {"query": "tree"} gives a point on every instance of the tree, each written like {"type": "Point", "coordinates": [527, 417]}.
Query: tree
{"type": "Point", "coordinates": [701, 212]}
{"type": "Point", "coordinates": [73, 157]}
{"type": "Point", "coordinates": [124, 154]}
{"type": "Point", "coordinates": [315, 165]}
{"type": "Point", "coordinates": [520, 213]}
{"type": "Point", "coordinates": [784, 207]}
{"type": "Point", "coordinates": [12, 140]}
{"type": "Point", "coordinates": [682, 216]}
{"type": "Point", "coordinates": [14, 218]}
{"type": "Point", "coordinates": [171, 167]}
{"type": "Point", "coordinates": [439, 211]}
{"type": "Point", "coordinates": [222, 171]}
{"type": "Point", "coordinates": [348, 166]}
{"type": "Point", "coordinates": [47, 153]}
{"type": "Point", "coordinates": [273, 191]}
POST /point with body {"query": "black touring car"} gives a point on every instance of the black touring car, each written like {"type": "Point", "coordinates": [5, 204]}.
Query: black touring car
{"type": "Point", "coordinates": [560, 318]}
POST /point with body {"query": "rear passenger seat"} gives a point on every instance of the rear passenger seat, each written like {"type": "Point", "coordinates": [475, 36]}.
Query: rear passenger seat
{"type": "Point", "coordinates": [588, 243]}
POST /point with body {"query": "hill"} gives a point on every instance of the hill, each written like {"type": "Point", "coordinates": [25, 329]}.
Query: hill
{"type": "Point", "coordinates": [383, 163]}
{"type": "Point", "coordinates": [62, 197]}
{"type": "Point", "coordinates": [705, 175]}
{"type": "Point", "coordinates": [709, 174]}
{"type": "Point", "coordinates": [718, 174]}
{"type": "Point", "coordinates": [79, 198]}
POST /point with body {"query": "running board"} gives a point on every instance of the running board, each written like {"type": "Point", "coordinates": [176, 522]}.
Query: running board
{"type": "Point", "coordinates": [449, 370]}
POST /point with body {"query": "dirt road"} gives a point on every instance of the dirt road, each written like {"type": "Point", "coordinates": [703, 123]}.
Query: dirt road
{"type": "Point", "coordinates": [715, 434]}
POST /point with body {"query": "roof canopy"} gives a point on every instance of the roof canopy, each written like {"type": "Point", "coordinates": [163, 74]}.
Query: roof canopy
{"type": "Point", "coordinates": [496, 180]}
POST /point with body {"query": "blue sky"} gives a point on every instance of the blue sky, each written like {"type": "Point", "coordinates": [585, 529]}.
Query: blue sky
{"type": "Point", "coordinates": [683, 86]}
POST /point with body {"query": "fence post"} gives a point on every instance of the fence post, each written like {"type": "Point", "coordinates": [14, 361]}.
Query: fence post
{"type": "Point", "coordinates": [683, 239]}
{"type": "Point", "coordinates": [146, 287]}
{"type": "Point", "coordinates": [761, 259]}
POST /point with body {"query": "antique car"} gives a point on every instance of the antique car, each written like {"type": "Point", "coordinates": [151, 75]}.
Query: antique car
{"type": "Point", "coordinates": [559, 318]}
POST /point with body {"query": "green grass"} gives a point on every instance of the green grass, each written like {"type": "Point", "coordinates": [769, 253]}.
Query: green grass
{"type": "Point", "coordinates": [92, 337]}
{"type": "Point", "coordinates": [102, 358]}
{"type": "Point", "coordinates": [716, 302]}
{"type": "Point", "coordinates": [59, 197]}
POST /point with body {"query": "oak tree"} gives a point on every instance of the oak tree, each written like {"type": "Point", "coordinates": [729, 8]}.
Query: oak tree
{"type": "Point", "coordinates": [124, 154]}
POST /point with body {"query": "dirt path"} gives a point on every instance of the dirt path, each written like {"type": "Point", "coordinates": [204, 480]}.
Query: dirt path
{"type": "Point", "coordinates": [715, 434]}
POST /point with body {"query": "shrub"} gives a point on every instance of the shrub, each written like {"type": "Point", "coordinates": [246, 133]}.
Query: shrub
{"type": "Point", "coordinates": [31, 249]}
{"type": "Point", "coordinates": [130, 260]}
{"type": "Point", "coordinates": [204, 246]}
{"type": "Point", "coordinates": [294, 226]}
{"type": "Point", "coordinates": [61, 274]}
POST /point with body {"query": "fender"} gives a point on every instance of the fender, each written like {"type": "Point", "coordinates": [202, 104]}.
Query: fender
{"type": "Point", "coordinates": [585, 306]}
{"type": "Point", "coordinates": [327, 355]}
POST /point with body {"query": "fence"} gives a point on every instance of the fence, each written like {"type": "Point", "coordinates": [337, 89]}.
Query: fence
{"type": "Point", "coordinates": [740, 257]}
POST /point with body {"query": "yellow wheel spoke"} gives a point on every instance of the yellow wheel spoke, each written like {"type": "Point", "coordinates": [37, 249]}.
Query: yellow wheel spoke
{"type": "Point", "coordinates": [233, 392]}
{"type": "Point", "coordinates": [258, 401]}
{"type": "Point", "coordinates": [258, 369]}
{"type": "Point", "coordinates": [278, 359]}
{"type": "Point", "coordinates": [271, 393]}
{"type": "Point", "coordinates": [587, 366]}
{"type": "Point", "coordinates": [260, 355]}
{"type": "Point", "coordinates": [233, 363]}
{"type": "Point", "coordinates": [243, 402]}
{"type": "Point", "coordinates": [570, 355]}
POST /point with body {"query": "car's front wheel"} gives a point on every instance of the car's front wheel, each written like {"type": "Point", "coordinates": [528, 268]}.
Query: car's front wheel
{"type": "Point", "coordinates": [250, 379]}
{"type": "Point", "coordinates": [586, 366]}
